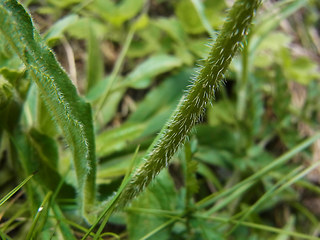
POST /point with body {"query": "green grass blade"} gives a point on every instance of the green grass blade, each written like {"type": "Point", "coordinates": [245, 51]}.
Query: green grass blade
{"type": "Point", "coordinates": [94, 60]}
{"type": "Point", "coordinates": [259, 226]}
{"type": "Point", "coordinates": [4, 236]}
{"type": "Point", "coordinates": [276, 163]}
{"type": "Point", "coordinates": [13, 191]}
{"type": "Point", "coordinates": [65, 229]}
{"type": "Point", "coordinates": [271, 192]}
{"type": "Point", "coordinates": [43, 210]}
{"type": "Point", "coordinates": [115, 70]}
{"type": "Point", "coordinates": [71, 113]}
{"type": "Point", "coordinates": [162, 226]}
{"type": "Point", "coordinates": [112, 203]}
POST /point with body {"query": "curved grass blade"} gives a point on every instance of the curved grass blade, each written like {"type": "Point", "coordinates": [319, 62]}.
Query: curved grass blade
{"type": "Point", "coordinates": [42, 211]}
{"type": "Point", "coordinates": [258, 227]}
{"type": "Point", "coordinates": [110, 206]}
{"type": "Point", "coordinates": [253, 178]}
{"type": "Point", "coordinates": [4, 236]}
{"type": "Point", "coordinates": [284, 183]}
{"type": "Point", "coordinates": [71, 113]}
{"type": "Point", "coordinates": [13, 191]}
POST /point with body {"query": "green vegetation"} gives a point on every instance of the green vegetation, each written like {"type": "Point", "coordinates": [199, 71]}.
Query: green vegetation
{"type": "Point", "coordinates": [120, 147]}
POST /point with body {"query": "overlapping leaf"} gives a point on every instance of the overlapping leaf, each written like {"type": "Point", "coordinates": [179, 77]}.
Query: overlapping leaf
{"type": "Point", "coordinates": [71, 113]}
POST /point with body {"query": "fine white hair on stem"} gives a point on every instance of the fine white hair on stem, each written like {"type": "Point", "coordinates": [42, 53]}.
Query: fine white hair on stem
{"type": "Point", "coordinates": [192, 106]}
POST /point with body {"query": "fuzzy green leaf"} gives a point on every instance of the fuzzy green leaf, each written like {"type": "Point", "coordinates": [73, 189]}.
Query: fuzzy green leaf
{"type": "Point", "coordinates": [142, 75]}
{"type": "Point", "coordinates": [71, 113]}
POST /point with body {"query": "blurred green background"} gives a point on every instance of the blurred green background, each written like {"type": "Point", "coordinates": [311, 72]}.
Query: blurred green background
{"type": "Point", "coordinates": [133, 60]}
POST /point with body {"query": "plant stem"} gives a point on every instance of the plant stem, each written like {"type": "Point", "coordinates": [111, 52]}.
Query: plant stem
{"type": "Point", "coordinates": [192, 106]}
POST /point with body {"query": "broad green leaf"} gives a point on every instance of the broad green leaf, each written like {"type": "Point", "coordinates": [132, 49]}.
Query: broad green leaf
{"type": "Point", "coordinates": [141, 22]}
{"type": "Point", "coordinates": [6, 93]}
{"type": "Point", "coordinates": [117, 138]}
{"type": "Point", "coordinates": [8, 58]}
{"type": "Point", "coordinates": [267, 51]}
{"type": "Point", "coordinates": [45, 121]}
{"type": "Point", "coordinates": [110, 108]}
{"type": "Point", "coordinates": [114, 13]}
{"type": "Point", "coordinates": [179, 45]}
{"type": "Point", "coordinates": [11, 67]}
{"type": "Point", "coordinates": [144, 73]}
{"type": "Point", "coordinates": [196, 20]}
{"type": "Point", "coordinates": [98, 89]}
{"type": "Point", "coordinates": [72, 114]}
{"type": "Point", "coordinates": [222, 112]}
{"type": "Point", "coordinates": [115, 167]}
{"type": "Point", "coordinates": [44, 159]}
{"type": "Point", "coordinates": [160, 196]}
{"type": "Point", "coordinates": [302, 69]}
{"type": "Point", "coordinates": [76, 29]}
{"type": "Point", "coordinates": [94, 59]}
{"type": "Point", "coordinates": [173, 28]}
{"type": "Point", "coordinates": [217, 137]}
{"type": "Point", "coordinates": [270, 21]}
{"type": "Point", "coordinates": [171, 88]}
{"type": "Point", "coordinates": [189, 17]}
{"type": "Point", "coordinates": [199, 7]}
{"type": "Point", "coordinates": [190, 168]}
{"type": "Point", "coordinates": [56, 31]}
{"type": "Point", "coordinates": [215, 157]}
{"type": "Point", "coordinates": [64, 3]}
{"type": "Point", "coordinates": [147, 41]}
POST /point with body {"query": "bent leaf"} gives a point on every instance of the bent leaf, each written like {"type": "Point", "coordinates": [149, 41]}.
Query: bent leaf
{"type": "Point", "coordinates": [71, 113]}
{"type": "Point", "coordinates": [142, 76]}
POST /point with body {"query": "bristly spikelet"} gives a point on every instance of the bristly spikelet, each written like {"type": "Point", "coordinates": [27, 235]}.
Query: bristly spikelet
{"type": "Point", "coordinates": [192, 105]}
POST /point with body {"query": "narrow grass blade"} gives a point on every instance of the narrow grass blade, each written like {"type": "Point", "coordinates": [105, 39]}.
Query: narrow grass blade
{"type": "Point", "coordinates": [267, 195]}
{"type": "Point", "coordinates": [4, 236]}
{"type": "Point", "coordinates": [259, 226]}
{"type": "Point", "coordinates": [162, 226]}
{"type": "Point", "coordinates": [287, 181]}
{"type": "Point", "coordinates": [276, 163]}
{"type": "Point", "coordinates": [43, 210]}
{"type": "Point", "coordinates": [115, 70]}
{"type": "Point", "coordinates": [94, 60]}
{"type": "Point", "coordinates": [111, 204]}
{"type": "Point", "coordinates": [64, 227]}
{"type": "Point", "coordinates": [71, 113]}
{"type": "Point", "coordinates": [13, 191]}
